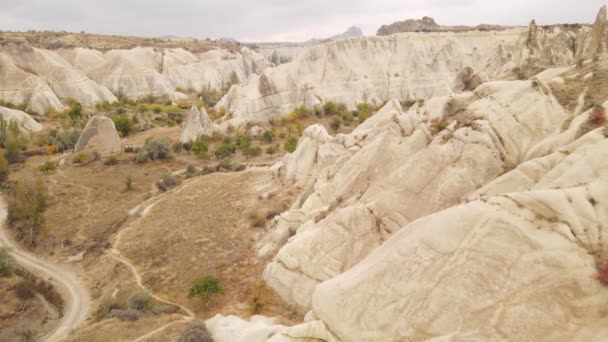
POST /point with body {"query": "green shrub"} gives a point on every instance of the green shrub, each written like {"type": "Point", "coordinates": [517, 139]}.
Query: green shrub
{"type": "Point", "coordinates": [81, 158]}
{"type": "Point", "coordinates": [335, 124]}
{"type": "Point", "coordinates": [190, 171]}
{"type": "Point", "coordinates": [200, 149]}
{"type": "Point", "coordinates": [66, 140]}
{"type": "Point", "coordinates": [124, 124]}
{"type": "Point", "coordinates": [252, 152]}
{"type": "Point", "coordinates": [268, 135]}
{"type": "Point", "coordinates": [157, 109]}
{"type": "Point", "coordinates": [206, 170]}
{"type": "Point", "coordinates": [271, 150]}
{"type": "Point", "coordinates": [243, 142]}
{"type": "Point", "coordinates": [6, 262]}
{"type": "Point", "coordinates": [129, 183]}
{"type": "Point", "coordinates": [225, 164]}
{"type": "Point", "coordinates": [4, 169]}
{"type": "Point", "coordinates": [196, 332]}
{"type": "Point", "coordinates": [112, 160]}
{"type": "Point", "coordinates": [75, 112]}
{"type": "Point", "coordinates": [47, 166]}
{"type": "Point", "coordinates": [164, 309]}
{"type": "Point", "coordinates": [108, 304]}
{"type": "Point", "coordinates": [14, 146]}
{"type": "Point", "coordinates": [225, 150]}
{"type": "Point", "coordinates": [205, 288]}
{"type": "Point", "coordinates": [291, 144]}
{"type": "Point", "coordinates": [27, 207]}
{"type": "Point", "coordinates": [167, 182]}
{"type": "Point", "coordinates": [140, 300]}
{"type": "Point", "coordinates": [154, 149]}
{"type": "Point", "coordinates": [330, 108]}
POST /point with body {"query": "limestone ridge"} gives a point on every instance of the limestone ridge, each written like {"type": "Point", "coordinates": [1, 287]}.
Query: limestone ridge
{"type": "Point", "coordinates": [428, 24]}
{"type": "Point", "coordinates": [43, 77]}
{"type": "Point", "coordinates": [25, 121]}
{"type": "Point", "coordinates": [597, 45]}
{"type": "Point", "coordinates": [196, 124]}
{"type": "Point", "coordinates": [99, 135]}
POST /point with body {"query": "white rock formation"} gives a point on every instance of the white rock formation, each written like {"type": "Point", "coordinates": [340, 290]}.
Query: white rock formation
{"type": "Point", "coordinates": [43, 98]}
{"type": "Point", "coordinates": [99, 135]}
{"type": "Point", "coordinates": [402, 66]}
{"type": "Point", "coordinates": [25, 121]}
{"type": "Point", "coordinates": [491, 229]}
{"type": "Point", "coordinates": [38, 66]}
{"type": "Point", "coordinates": [42, 77]}
{"type": "Point", "coordinates": [196, 124]}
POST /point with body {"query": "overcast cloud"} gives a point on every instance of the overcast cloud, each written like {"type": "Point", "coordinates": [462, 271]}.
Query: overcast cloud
{"type": "Point", "coordinates": [275, 20]}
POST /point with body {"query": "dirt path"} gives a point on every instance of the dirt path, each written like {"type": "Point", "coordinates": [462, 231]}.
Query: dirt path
{"type": "Point", "coordinates": [75, 297]}
{"type": "Point", "coordinates": [115, 253]}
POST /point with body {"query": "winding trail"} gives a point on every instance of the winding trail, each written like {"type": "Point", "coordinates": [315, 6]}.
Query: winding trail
{"type": "Point", "coordinates": [116, 254]}
{"type": "Point", "coordinates": [76, 300]}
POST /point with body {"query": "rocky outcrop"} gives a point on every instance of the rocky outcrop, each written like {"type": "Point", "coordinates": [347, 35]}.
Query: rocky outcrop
{"type": "Point", "coordinates": [427, 24]}
{"type": "Point", "coordinates": [502, 211]}
{"type": "Point", "coordinates": [99, 135]}
{"type": "Point", "coordinates": [411, 25]}
{"type": "Point", "coordinates": [44, 77]}
{"type": "Point", "coordinates": [42, 100]}
{"type": "Point", "coordinates": [598, 42]}
{"type": "Point", "coordinates": [196, 124]}
{"type": "Point", "coordinates": [23, 119]}
{"type": "Point", "coordinates": [30, 67]}
{"type": "Point", "coordinates": [467, 80]}
{"type": "Point", "coordinates": [370, 69]}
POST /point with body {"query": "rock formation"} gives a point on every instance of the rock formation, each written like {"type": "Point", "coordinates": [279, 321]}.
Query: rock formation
{"type": "Point", "coordinates": [25, 121]}
{"type": "Point", "coordinates": [411, 25]}
{"type": "Point", "coordinates": [99, 135]}
{"type": "Point", "coordinates": [427, 24]}
{"type": "Point", "coordinates": [196, 124]}
{"type": "Point", "coordinates": [467, 80]}
{"type": "Point", "coordinates": [42, 77]}
{"type": "Point", "coordinates": [407, 232]}
{"type": "Point", "coordinates": [597, 44]}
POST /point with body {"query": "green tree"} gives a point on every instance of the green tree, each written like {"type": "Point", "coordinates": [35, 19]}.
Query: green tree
{"type": "Point", "coordinates": [205, 288]}
{"type": "Point", "coordinates": [200, 149]}
{"type": "Point", "coordinates": [6, 262]}
{"type": "Point", "coordinates": [291, 144]}
{"type": "Point", "coordinates": [124, 124]}
{"type": "Point", "coordinates": [27, 207]}
{"type": "Point", "coordinates": [4, 170]}
{"type": "Point", "coordinates": [268, 135]}
{"type": "Point", "coordinates": [330, 108]}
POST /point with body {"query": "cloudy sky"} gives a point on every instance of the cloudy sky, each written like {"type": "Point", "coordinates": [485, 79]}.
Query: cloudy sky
{"type": "Point", "coordinates": [275, 20]}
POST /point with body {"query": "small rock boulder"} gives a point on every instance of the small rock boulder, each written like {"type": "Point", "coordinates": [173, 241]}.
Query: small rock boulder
{"type": "Point", "coordinates": [196, 123]}
{"type": "Point", "coordinates": [25, 121]}
{"type": "Point", "coordinates": [466, 80]}
{"type": "Point", "coordinates": [100, 135]}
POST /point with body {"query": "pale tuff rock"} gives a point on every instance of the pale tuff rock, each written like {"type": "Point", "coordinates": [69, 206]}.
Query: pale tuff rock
{"type": "Point", "coordinates": [503, 213]}
{"type": "Point", "coordinates": [235, 329]}
{"type": "Point", "coordinates": [402, 66]}
{"type": "Point", "coordinates": [410, 25]}
{"type": "Point", "coordinates": [25, 122]}
{"type": "Point", "coordinates": [196, 124]}
{"type": "Point", "coordinates": [42, 100]}
{"type": "Point", "coordinates": [370, 69]}
{"type": "Point", "coordinates": [394, 169]}
{"type": "Point", "coordinates": [428, 24]}
{"type": "Point", "coordinates": [99, 135]}
{"type": "Point", "coordinates": [48, 67]}
{"type": "Point", "coordinates": [466, 80]}
{"type": "Point", "coordinates": [91, 76]}
{"type": "Point", "coordinates": [597, 44]}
